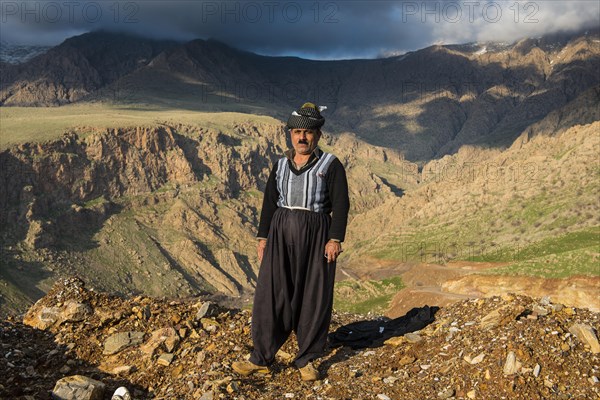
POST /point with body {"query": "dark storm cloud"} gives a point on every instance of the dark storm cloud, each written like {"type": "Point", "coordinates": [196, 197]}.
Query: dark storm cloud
{"type": "Point", "coordinates": [325, 29]}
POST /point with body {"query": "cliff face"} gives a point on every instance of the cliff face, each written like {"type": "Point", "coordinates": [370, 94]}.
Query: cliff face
{"type": "Point", "coordinates": [112, 163]}
{"type": "Point", "coordinates": [61, 197]}
{"type": "Point", "coordinates": [123, 162]}
{"type": "Point", "coordinates": [163, 209]}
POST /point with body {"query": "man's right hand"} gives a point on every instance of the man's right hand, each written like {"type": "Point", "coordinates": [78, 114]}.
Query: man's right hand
{"type": "Point", "coordinates": [260, 249]}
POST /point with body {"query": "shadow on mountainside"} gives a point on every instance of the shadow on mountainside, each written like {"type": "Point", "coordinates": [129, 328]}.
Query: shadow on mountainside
{"type": "Point", "coordinates": [60, 192]}
{"type": "Point", "coordinates": [31, 371]}
{"type": "Point", "coordinates": [427, 113]}
{"type": "Point", "coordinates": [51, 201]}
{"type": "Point", "coordinates": [20, 282]}
{"type": "Point", "coordinates": [426, 105]}
{"type": "Point", "coordinates": [366, 96]}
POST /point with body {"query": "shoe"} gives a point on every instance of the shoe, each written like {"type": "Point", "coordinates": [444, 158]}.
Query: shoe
{"type": "Point", "coordinates": [309, 373]}
{"type": "Point", "coordinates": [246, 368]}
{"type": "Point", "coordinates": [121, 394]}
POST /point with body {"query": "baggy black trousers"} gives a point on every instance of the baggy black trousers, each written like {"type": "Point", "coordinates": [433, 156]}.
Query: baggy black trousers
{"type": "Point", "coordinates": [294, 291]}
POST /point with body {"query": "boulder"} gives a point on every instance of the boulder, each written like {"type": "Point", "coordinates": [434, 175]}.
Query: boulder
{"type": "Point", "coordinates": [168, 336]}
{"type": "Point", "coordinates": [78, 387]}
{"type": "Point", "coordinates": [586, 335]}
{"type": "Point", "coordinates": [122, 340]}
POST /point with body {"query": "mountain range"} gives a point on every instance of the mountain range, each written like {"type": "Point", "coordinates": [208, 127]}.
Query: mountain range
{"type": "Point", "coordinates": [425, 103]}
{"type": "Point", "coordinates": [150, 182]}
{"type": "Point", "coordinates": [17, 54]}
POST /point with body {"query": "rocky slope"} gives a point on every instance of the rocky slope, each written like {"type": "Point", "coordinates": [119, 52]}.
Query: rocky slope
{"type": "Point", "coordinates": [480, 201]}
{"type": "Point", "coordinates": [509, 347]}
{"type": "Point", "coordinates": [165, 209]}
{"type": "Point", "coordinates": [75, 186]}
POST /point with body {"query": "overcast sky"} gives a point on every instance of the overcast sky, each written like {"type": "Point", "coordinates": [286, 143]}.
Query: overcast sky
{"type": "Point", "coordinates": [309, 29]}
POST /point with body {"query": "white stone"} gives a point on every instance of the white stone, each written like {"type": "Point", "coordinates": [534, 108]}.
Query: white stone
{"type": "Point", "coordinates": [510, 365]}
{"type": "Point", "coordinates": [475, 360]}
{"type": "Point", "coordinates": [536, 370]}
{"type": "Point", "coordinates": [413, 337]}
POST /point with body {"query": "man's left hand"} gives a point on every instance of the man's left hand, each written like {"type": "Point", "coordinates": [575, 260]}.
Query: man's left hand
{"type": "Point", "coordinates": [332, 250]}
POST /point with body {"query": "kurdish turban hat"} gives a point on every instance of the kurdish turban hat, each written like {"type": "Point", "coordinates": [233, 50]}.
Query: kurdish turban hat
{"type": "Point", "coordinates": [307, 117]}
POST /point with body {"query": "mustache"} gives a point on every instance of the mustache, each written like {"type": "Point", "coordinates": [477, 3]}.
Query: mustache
{"type": "Point", "coordinates": [302, 141]}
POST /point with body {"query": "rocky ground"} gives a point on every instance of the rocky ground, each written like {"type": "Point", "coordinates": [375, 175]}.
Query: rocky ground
{"type": "Point", "coordinates": [509, 347]}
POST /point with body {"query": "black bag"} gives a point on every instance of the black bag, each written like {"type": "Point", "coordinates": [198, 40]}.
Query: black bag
{"type": "Point", "coordinates": [373, 333]}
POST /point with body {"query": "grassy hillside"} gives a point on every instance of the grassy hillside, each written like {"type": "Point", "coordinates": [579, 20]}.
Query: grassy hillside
{"type": "Point", "coordinates": [573, 253]}
{"type": "Point", "coordinates": [40, 124]}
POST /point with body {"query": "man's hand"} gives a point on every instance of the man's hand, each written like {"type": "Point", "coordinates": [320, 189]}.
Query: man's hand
{"type": "Point", "coordinates": [260, 249]}
{"type": "Point", "coordinates": [332, 250]}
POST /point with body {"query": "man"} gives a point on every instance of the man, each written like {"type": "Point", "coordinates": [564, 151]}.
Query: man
{"type": "Point", "coordinates": [298, 245]}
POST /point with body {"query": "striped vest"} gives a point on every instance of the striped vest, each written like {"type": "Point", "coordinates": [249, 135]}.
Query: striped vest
{"type": "Point", "coordinates": [307, 190]}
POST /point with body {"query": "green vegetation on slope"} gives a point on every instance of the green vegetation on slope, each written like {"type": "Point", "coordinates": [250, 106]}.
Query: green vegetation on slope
{"type": "Point", "coordinates": [573, 253]}
{"type": "Point", "coordinates": [39, 124]}
{"type": "Point", "coordinates": [552, 233]}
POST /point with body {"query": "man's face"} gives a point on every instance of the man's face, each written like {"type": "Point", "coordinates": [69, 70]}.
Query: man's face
{"type": "Point", "coordinates": [305, 140]}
